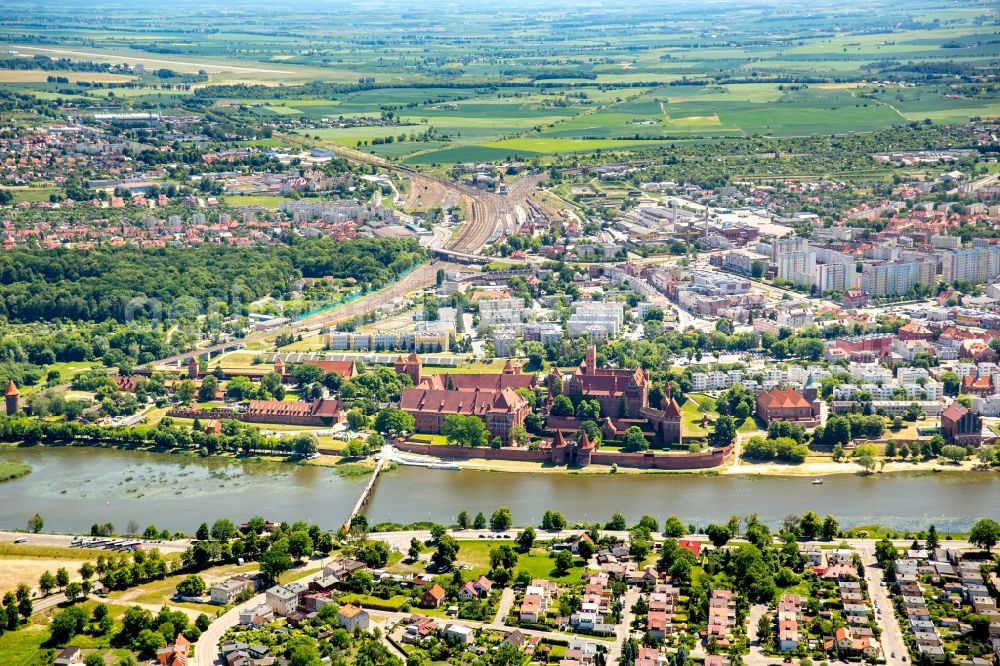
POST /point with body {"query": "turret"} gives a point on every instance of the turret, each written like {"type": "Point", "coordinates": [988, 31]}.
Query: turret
{"type": "Point", "coordinates": [12, 398]}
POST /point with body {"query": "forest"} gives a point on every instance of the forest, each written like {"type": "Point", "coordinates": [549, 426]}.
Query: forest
{"type": "Point", "coordinates": [131, 283]}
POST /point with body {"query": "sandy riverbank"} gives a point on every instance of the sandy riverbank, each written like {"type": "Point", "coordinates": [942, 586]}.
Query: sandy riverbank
{"type": "Point", "coordinates": [808, 469]}
{"type": "Point", "coordinates": [846, 467]}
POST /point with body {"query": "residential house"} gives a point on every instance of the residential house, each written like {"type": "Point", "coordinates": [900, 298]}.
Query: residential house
{"type": "Point", "coordinates": [70, 656]}
{"type": "Point", "coordinates": [433, 596]}
{"type": "Point", "coordinates": [257, 616]}
{"type": "Point", "coordinates": [352, 618]}
{"type": "Point", "coordinates": [176, 654]}
{"type": "Point", "coordinates": [225, 592]}
{"type": "Point", "coordinates": [459, 633]}
{"type": "Point", "coordinates": [282, 600]}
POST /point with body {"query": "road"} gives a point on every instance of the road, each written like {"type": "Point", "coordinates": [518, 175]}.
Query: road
{"type": "Point", "coordinates": [892, 635]}
{"type": "Point", "coordinates": [756, 656]}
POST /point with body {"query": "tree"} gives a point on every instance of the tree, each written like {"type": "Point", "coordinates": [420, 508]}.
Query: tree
{"type": "Point", "coordinates": [617, 523]}
{"type": "Point", "coordinates": [554, 521]}
{"type": "Point", "coordinates": [303, 651]}
{"type": "Point", "coordinates": [810, 525]}
{"type": "Point", "coordinates": [479, 522]}
{"type": "Point", "coordinates": [562, 406]}
{"type": "Point", "coordinates": [526, 539]}
{"type": "Point", "coordinates": [67, 624]}
{"type": "Point", "coordinates": [373, 553]}
{"type": "Point", "coordinates": [73, 590]}
{"type": "Point", "coordinates": [202, 533]}
{"type": "Point", "coordinates": [149, 641]}
{"type": "Point", "coordinates": [837, 431]}
{"type": "Point", "coordinates": [673, 528]}
{"type": "Point", "coordinates": [502, 519]}
{"type": "Point", "coordinates": [223, 529]}
{"type": "Point", "coordinates": [503, 557]}
{"type": "Point", "coordinates": [953, 453]}
{"type": "Point", "coordinates": [356, 419]}
{"type": "Point", "coordinates": [886, 553]}
{"type": "Point", "coordinates": [62, 577]}
{"type": "Point", "coordinates": [564, 561]}
{"type": "Point", "coordinates": [192, 586]}
{"type": "Point", "coordinates": [446, 551]}
{"type": "Point", "coordinates": [932, 539]}
{"type": "Point", "coordinates": [831, 528]}
{"type": "Point", "coordinates": [634, 440]}
{"type": "Point", "coordinates": [462, 520]}
{"type": "Point", "coordinates": [36, 523]}
{"type": "Point", "coordinates": [724, 432]}
{"type": "Point", "coordinates": [985, 533]}
{"type": "Point", "coordinates": [305, 444]}
{"type": "Point", "coordinates": [415, 547]}
{"type": "Point", "coordinates": [46, 583]}
{"type": "Point", "coordinates": [866, 456]}
{"type": "Point", "coordinates": [276, 560]}
{"type": "Point", "coordinates": [464, 430]}
{"type": "Point", "coordinates": [209, 387]}
{"type": "Point", "coordinates": [185, 392]}
{"type": "Point", "coordinates": [719, 535]}
{"type": "Point", "coordinates": [394, 422]}
{"type": "Point", "coordinates": [586, 549]}
{"type": "Point", "coordinates": [952, 383]}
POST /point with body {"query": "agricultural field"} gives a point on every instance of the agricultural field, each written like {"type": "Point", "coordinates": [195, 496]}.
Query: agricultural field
{"type": "Point", "coordinates": [407, 87]}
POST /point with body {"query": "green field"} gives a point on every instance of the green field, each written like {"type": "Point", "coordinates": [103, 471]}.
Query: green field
{"type": "Point", "coordinates": [563, 82]}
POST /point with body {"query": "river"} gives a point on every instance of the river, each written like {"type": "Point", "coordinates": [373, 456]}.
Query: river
{"type": "Point", "coordinates": [73, 488]}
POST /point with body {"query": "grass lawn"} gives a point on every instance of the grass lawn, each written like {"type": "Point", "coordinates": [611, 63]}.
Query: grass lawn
{"type": "Point", "coordinates": [430, 439]}
{"type": "Point", "coordinates": [537, 563]}
{"type": "Point", "coordinates": [692, 412]}
{"type": "Point", "coordinates": [393, 603]}
{"type": "Point", "coordinates": [25, 646]}
{"type": "Point", "coordinates": [297, 573]}
{"type": "Point", "coordinates": [162, 591]}
{"type": "Point", "coordinates": [28, 550]}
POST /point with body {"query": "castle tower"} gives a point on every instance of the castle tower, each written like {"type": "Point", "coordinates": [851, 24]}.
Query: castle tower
{"type": "Point", "coordinates": [589, 361]}
{"type": "Point", "coordinates": [279, 367]}
{"type": "Point", "coordinates": [12, 398]}
{"type": "Point", "coordinates": [811, 390]}
{"type": "Point", "coordinates": [411, 367]}
{"type": "Point", "coordinates": [194, 368]}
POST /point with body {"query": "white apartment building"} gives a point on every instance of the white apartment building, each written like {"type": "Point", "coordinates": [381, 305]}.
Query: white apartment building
{"type": "Point", "coordinates": [502, 310]}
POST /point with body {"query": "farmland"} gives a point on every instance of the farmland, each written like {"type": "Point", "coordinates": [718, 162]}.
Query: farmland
{"type": "Point", "coordinates": [404, 86]}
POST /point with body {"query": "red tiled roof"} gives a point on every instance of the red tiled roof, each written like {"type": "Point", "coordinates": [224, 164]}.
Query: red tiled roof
{"type": "Point", "coordinates": [782, 398]}
{"type": "Point", "coordinates": [343, 368]}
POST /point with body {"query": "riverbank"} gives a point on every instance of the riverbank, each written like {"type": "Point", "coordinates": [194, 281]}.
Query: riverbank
{"type": "Point", "coordinates": [810, 468]}
{"type": "Point", "coordinates": [13, 470]}
{"type": "Point", "coordinates": [828, 468]}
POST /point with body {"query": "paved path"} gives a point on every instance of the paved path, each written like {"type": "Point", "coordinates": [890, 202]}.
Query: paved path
{"type": "Point", "coordinates": [756, 655]}
{"type": "Point", "coordinates": [503, 610]}
{"type": "Point", "coordinates": [885, 616]}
